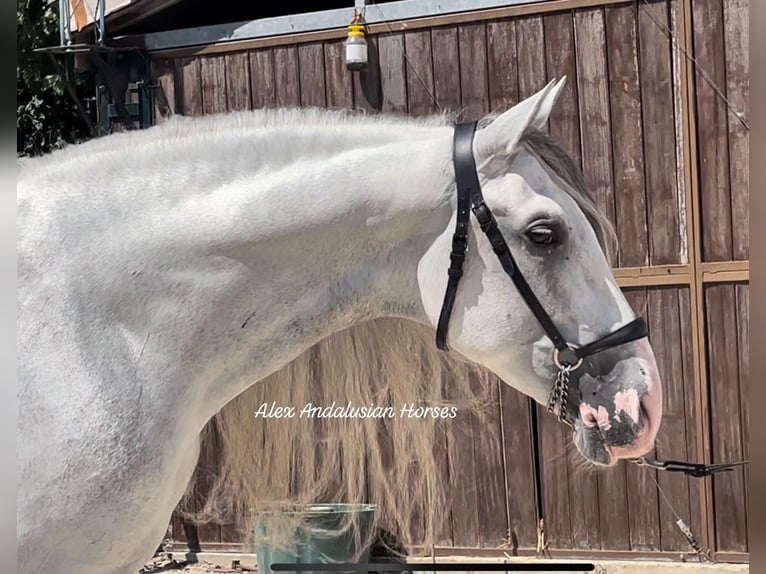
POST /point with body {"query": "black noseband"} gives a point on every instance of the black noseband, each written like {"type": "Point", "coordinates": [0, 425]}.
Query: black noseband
{"type": "Point", "coordinates": [470, 198]}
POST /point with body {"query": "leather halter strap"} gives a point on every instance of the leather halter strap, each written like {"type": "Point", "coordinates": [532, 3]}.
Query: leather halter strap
{"type": "Point", "coordinates": [470, 198]}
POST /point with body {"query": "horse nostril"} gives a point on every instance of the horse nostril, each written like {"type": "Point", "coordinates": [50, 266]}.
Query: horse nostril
{"type": "Point", "coordinates": [589, 415]}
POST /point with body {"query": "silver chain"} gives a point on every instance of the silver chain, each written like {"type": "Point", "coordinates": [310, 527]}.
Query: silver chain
{"type": "Point", "coordinates": [557, 402]}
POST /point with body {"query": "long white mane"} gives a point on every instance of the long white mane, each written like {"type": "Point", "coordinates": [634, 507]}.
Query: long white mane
{"type": "Point", "coordinates": [230, 127]}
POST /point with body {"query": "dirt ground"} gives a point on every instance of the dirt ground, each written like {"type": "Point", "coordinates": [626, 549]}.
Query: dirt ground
{"type": "Point", "coordinates": [163, 565]}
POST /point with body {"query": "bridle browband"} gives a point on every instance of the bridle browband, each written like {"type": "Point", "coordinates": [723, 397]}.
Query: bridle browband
{"type": "Point", "coordinates": [566, 356]}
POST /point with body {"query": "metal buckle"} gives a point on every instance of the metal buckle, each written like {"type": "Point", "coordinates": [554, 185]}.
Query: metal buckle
{"type": "Point", "coordinates": [566, 366]}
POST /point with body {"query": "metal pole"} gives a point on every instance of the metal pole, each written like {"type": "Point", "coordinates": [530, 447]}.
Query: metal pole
{"type": "Point", "coordinates": [61, 22]}
{"type": "Point", "coordinates": [65, 22]}
{"type": "Point", "coordinates": [101, 22]}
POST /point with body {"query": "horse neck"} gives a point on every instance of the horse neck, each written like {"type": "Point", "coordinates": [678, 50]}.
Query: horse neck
{"type": "Point", "coordinates": [284, 253]}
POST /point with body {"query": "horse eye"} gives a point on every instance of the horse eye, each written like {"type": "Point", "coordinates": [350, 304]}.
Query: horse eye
{"type": "Point", "coordinates": [542, 235]}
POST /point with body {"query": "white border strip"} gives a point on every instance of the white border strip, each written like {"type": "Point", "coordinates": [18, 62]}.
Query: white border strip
{"type": "Point", "coordinates": [312, 22]}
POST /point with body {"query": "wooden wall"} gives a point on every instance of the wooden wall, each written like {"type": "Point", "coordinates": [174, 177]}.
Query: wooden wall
{"type": "Point", "coordinates": [667, 160]}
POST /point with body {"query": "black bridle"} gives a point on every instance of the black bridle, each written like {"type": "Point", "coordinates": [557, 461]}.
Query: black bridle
{"type": "Point", "coordinates": [566, 356]}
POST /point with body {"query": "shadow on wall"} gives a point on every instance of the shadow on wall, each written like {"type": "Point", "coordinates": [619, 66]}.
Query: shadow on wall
{"type": "Point", "coordinates": [369, 78]}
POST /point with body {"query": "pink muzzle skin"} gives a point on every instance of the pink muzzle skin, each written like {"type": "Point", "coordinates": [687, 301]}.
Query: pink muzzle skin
{"type": "Point", "coordinates": [646, 409]}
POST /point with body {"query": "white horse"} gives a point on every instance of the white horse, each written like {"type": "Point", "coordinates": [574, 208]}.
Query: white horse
{"type": "Point", "coordinates": [161, 273]}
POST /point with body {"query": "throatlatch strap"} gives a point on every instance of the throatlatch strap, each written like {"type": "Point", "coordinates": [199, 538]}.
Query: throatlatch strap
{"type": "Point", "coordinates": [469, 196]}
{"type": "Point", "coordinates": [466, 180]}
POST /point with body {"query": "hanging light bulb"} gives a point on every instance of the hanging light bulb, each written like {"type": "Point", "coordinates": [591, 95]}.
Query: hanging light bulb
{"type": "Point", "coordinates": [356, 43]}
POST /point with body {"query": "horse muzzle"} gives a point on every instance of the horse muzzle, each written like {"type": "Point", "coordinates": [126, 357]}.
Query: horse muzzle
{"type": "Point", "coordinates": [619, 413]}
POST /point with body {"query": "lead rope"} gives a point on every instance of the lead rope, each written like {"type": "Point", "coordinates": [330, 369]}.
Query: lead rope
{"type": "Point", "coordinates": [703, 555]}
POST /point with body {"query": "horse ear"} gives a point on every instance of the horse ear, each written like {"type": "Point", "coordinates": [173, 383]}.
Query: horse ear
{"type": "Point", "coordinates": [540, 121]}
{"type": "Point", "coordinates": [503, 134]}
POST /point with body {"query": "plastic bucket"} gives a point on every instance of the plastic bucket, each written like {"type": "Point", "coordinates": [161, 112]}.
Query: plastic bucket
{"type": "Point", "coordinates": [320, 538]}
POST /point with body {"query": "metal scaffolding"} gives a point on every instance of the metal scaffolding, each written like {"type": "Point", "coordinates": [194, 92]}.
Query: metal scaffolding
{"type": "Point", "coordinates": [122, 98]}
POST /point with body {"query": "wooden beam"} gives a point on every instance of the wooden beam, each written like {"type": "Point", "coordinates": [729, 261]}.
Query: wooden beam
{"type": "Point", "coordinates": [725, 271]}
{"type": "Point", "coordinates": [447, 554]}
{"type": "Point", "coordinates": [732, 557]}
{"type": "Point", "coordinates": [654, 276]}
{"type": "Point", "coordinates": [379, 28]}
{"type": "Point", "coordinates": [696, 289]}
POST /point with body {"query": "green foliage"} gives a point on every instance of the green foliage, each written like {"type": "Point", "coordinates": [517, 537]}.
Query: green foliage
{"type": "Point", "coordinates": [46, 116]}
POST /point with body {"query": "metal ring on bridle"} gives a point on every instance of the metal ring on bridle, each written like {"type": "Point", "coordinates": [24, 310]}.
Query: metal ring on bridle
{"type": "Point", "coordinates": [566, 365]}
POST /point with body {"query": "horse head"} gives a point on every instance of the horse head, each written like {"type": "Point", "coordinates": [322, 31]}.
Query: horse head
{"type": "Point", "coordinates": [559, 241]}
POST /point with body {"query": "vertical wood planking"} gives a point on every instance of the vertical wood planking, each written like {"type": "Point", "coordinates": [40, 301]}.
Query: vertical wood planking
{"type": "Point", "coordinates": [730, 515]}
{"type": "Point", "coordinates": [560, 62]}
{"type": "Point", "coordinates": [393, 76]}
{"type": "Point", "coordinates": [444, 48]}
{"type": "Point", "coordinates": [340, 91]}
{"type": "Point", "coordinates": [743, 346]}
{"type": "Point", "coordinates": [443, 531]}
{"type": "Point", "coordinates": [643, 509]}
{"type": "Point", "coordinates": [593, 90]}
{"type": "Point", "coordinates": [420, 73]}
{"type": "Point", "coordinates": [687, 157]}
{"type": "Point", "coordinates": [530, 49]}
{"type": "Point", "coordinates": [164, 95]}
{"type": "Point", "coordinates": [553, 440]}
{"type": "Point", "coordinates": [502, 65]}
{"type": "Point", "coordinates": [695, 518]}
{"type": "Point", "coordinates": [238, 81]}
{"type": "Point", "coordinates": [190, 98]}
{"type": "Point", "coordinates": [627, 148]}
{"type": "Point", "coordinates": [472, 47]}
{"type": "Point", "coordinates": [488, 460]}
{"type": "Point", "coordinates": [213, 76]}
{"type": "Point", "coordinates": [552, 436]}
{"type": "Point", "coordinates": [262, 80]}
{"type": "Point", "coordinates": [286, 78]}
{"type": "Point", "coordinates": [367, 82]}
{"type": "Point", "coordinates": [232, 532]}
{"type": "Point", "coordinates": [584, 510]}
{"type": "Point", "coordinates": [177, 527]}
{"type": "Point", "coordinates": [664, 319]}
{"type": "Point", "coordinates": [613, 507]}
{"type": "Point", "coordinates": [712, 132]}
{"type": "Point", "coordinates": [680, 104]}
{"type": "Point", "coordinates": [312, 75]}
{"type": "Point", "coordinates": [659, 135]}
{"type": "Point", "coordinates": [462, 473]}
{"type": "Point", "coordinates": [519, 467]}
{"type": "Point", "coordinates": [208, 468]}
{"type": "Point", "coordinates": [737, 41]}
{"type": "Point", "coordinates": [596, 165]}
{"type": "Point", "coordinates": [564, 122]}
